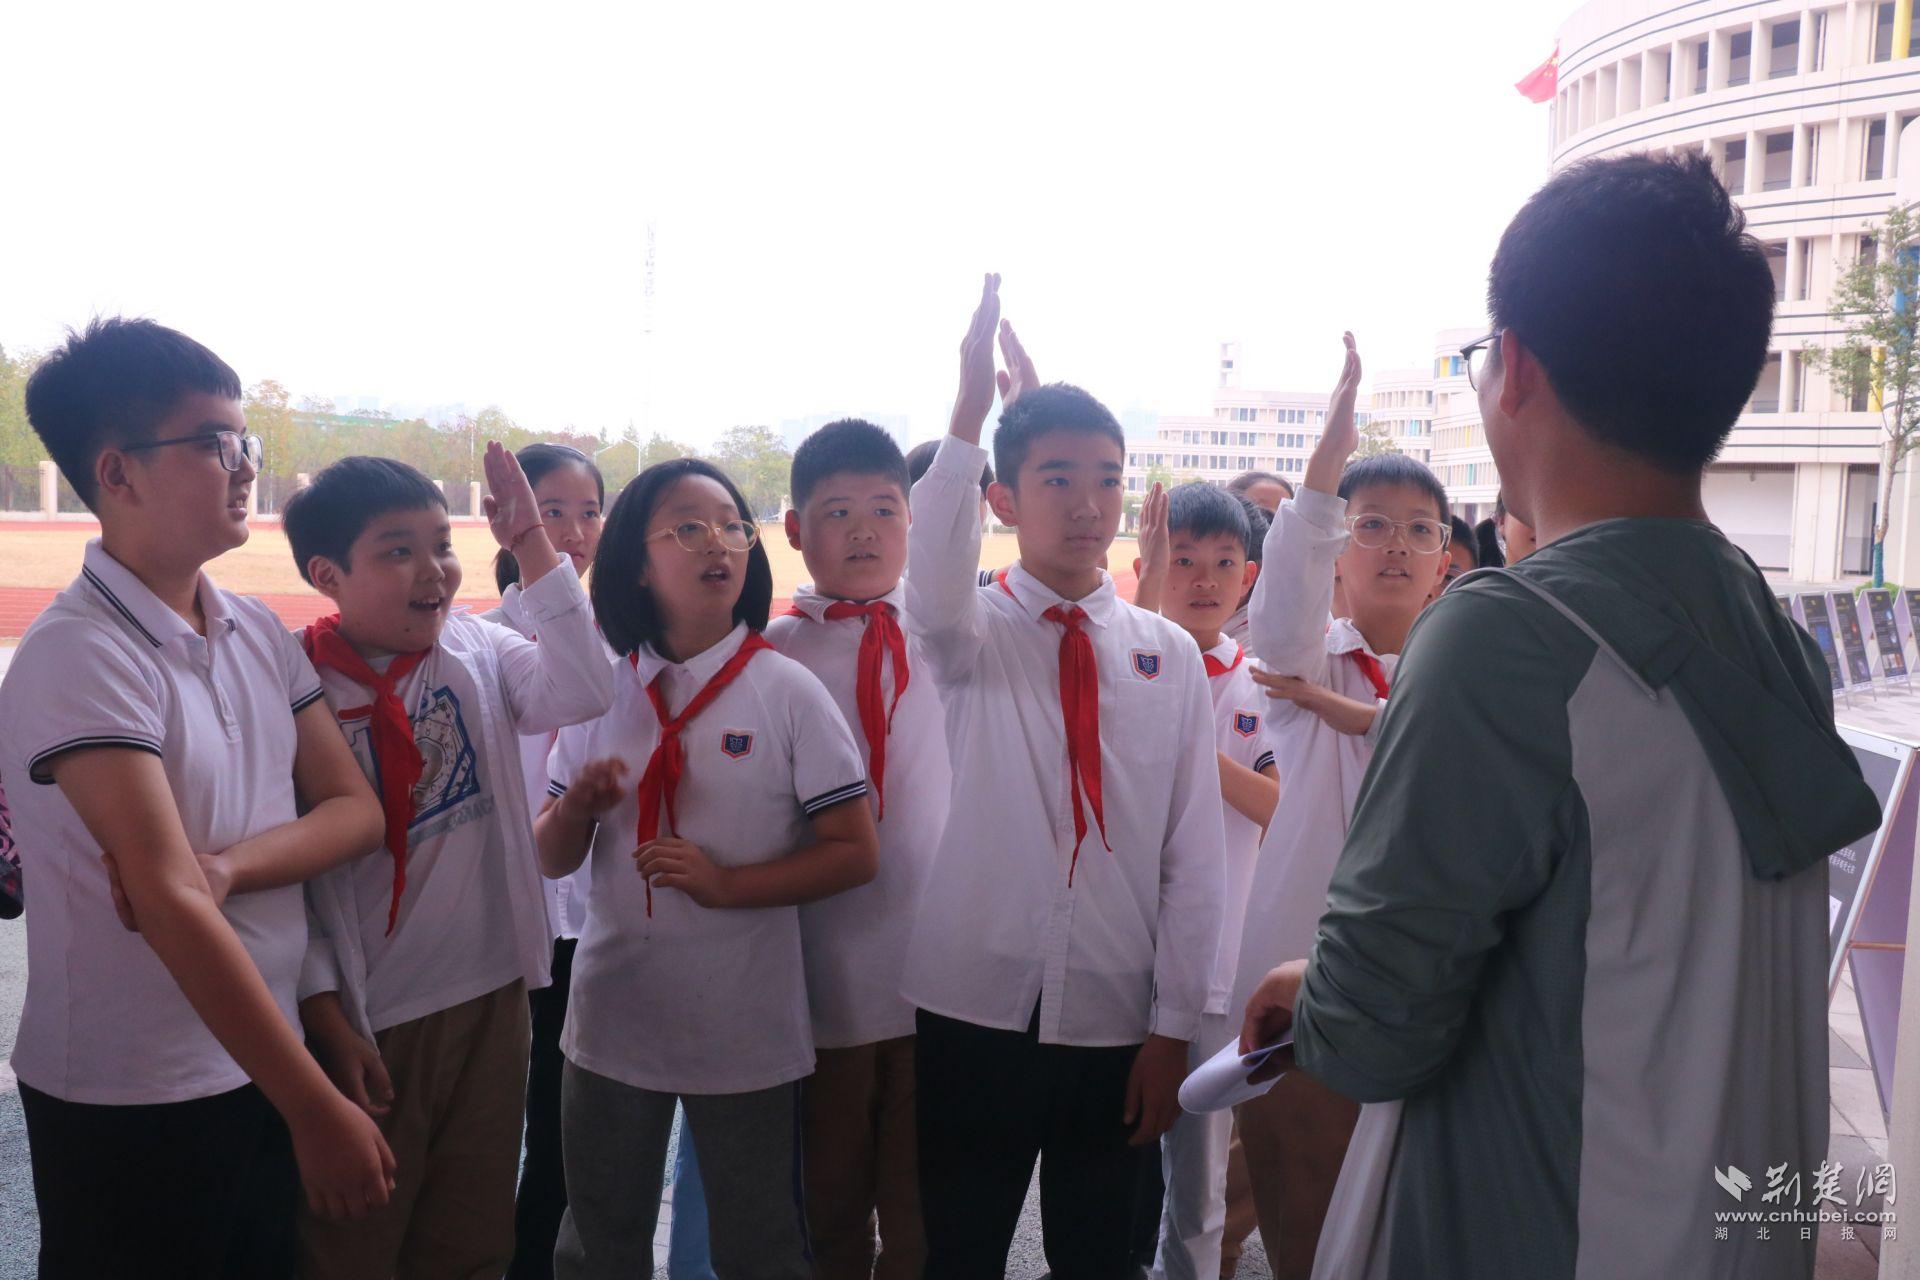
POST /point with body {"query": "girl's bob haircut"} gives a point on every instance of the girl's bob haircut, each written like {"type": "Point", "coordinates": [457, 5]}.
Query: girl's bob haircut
{"type": "Point", "coordinates": [626, 611]}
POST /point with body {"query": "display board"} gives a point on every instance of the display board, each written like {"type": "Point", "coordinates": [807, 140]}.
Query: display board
{"type": "Point", "coordinates": [1852, 641]}
{"type": "Point", "coordinates": [1868, 887]}
{"type": "Point", "coordinates": [1886, 633]}
{"type": "Point", "coordinates": [1818, 620]}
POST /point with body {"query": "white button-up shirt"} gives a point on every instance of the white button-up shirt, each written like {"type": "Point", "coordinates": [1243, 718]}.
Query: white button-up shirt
{"type": "Point", "coordinates": [1127, 948]}
{"type": "Point", "coordinates": [107, 664]}
{"type": "Point", "coordinates": [699, 999]}
{"type": "Point", "coordinates": [1320, 767]}
{"type": "Point", "coordinates": [1240, 733]}
{"type": "Point", "coordinates": [856, 941]}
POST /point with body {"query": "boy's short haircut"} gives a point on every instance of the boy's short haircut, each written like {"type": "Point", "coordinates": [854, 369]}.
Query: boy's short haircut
{"type": "Point", "coordinates": [1634, 283]}
{"type": "Point", "coordinates": [111, 384]}
{"type": "Point", "coordinates": [1201, 510]}
{"type": "Point", "coordinates": [1464, 536]}
{"type": "Point", "coordinates": [920, 457]}
{"type": "Point", "coordinates": [1394, 468]}
{"type": "Point", "coordinates": [345, 497]}
{"type": "Point", "coordinates": [849, 446]}
{"type": "Point", "coordinates": [1058, 406]}
{"type": "Point", "coordinates": [1239, 485]}
{"type": "Point", "coordinates": [1258, 522]}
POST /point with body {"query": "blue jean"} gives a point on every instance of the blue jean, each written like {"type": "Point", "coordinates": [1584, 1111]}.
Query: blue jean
{"type": "Point", "coordinates": [688, 1253]}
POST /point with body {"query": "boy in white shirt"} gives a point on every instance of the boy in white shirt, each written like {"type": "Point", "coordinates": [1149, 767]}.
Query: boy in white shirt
{"type": "Point", "coordinates": [1194, 567]}
{"type": "Point", "coordinates": [153, 723]}
{"type": "Point", "coordinates": [1378, 527]}
{"type": "Point", "coordinates": [415, 992]}
{"type": "Point", "coordinates": [1061, 957]}
{"type": "Point", "coordinates": [849, 521]}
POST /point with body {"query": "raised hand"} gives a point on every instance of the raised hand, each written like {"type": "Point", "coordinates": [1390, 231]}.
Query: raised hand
{"type": "Point", "coordinates": [1341, 436]}
{"type": "Point", "coordinates": [1156, 551]}
{"type": "Point", "coordinates": [975, 398]}
{"type": "Point", "coordinates": [1018, 377]}
{"type": "Point", "coordinates": [511, 510]}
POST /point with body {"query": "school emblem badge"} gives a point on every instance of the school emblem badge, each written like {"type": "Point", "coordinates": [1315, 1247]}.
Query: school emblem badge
{"type": "Point", "coordinates": [1245, 723]}
{"type": "Point", "coordinates": [736, 743]}
{"type": "Point", "coordinates": [1147, 664]}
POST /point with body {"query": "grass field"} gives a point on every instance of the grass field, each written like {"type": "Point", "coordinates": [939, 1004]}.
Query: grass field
{"type": "Point", "coordinates": [37, 559]}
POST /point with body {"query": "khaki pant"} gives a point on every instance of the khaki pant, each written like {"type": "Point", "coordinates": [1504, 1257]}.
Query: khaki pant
{"type": "Point", "coordinates": [1295, 1138]}
{"type": "Point", "coordinates": [459, 1085]}
{"type": "Point", "coordinates": [862, 1159]}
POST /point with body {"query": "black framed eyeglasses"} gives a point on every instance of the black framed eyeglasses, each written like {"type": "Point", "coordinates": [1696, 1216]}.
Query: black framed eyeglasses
{"type": "Point", "coordinates": [233, 447]}
{"type": "Point", "coordinates": [1475, 354]}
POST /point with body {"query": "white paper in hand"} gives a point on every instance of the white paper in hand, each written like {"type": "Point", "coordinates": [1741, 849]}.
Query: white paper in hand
{"type": "Point", "coordinates": [1225, 1079]}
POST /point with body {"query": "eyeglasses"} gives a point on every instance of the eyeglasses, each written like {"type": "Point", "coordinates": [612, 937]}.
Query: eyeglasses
{"type": "Point", "coordinates": [697, 535]}
{"type": "Point", "coordinates": [1424, 537]}
{"type": "Point", "coordinates": [1475, 354]}
{"type": "Point", "coordinates": [233, 447]}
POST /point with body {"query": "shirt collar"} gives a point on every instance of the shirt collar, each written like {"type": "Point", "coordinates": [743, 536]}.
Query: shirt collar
{"type": "Point", "coordinates": [701, 666]}
{"type": "Point", "coordinates": [1036, 598]}
{"type": "Point", "coordinates": [1344, 637]}
{"type": "Point", "coordinates": [815, 605]}
{"type": "Point", "coordinates": [129, 597]}
{"type": "Point", "coordinates": [1226, 651]}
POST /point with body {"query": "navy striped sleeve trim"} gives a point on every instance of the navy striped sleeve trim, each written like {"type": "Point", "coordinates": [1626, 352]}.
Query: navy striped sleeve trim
{"type": "Point", "coordinates": [114, 600]}
{"type": "Point", "coordinates": [36, 767]}
{"type": "Point", "coordinates": [555, 789]}
{"type": "Point", "coordinates": [1266, 758]}
{"type": "Point", "coordinates": [301, 704]}
{"type": "Point", "coordinates": [839, 795]}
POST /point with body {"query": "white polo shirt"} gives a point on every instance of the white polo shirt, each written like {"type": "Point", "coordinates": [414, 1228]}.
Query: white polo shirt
{"type": "Point", "coordinates": [694, 999]}
{"type": "Point", "coordinates": [107, 664]}
{"type": "Point", "coordinates": [1240, 732]}
{"type": "Point", "coordinates": [855, 942]}
{"type": "Point", "coordinates": [566, 898]}
{"type": "Point", "coordinates": [1127, 948]}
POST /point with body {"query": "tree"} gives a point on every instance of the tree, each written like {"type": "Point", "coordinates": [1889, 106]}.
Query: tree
{"type": "Point", "coordinates": [1374, 440]}
{"type": "Point", "coordinates": [269, 415]}
{"type": "Point", "coordinates": [759, 463]}
{"type": "Point", "coordinates": [19, 447]}
{"type": "Point", "coordinates": [1878, 359]}
{"type": "Point", "coordinates": [1156, 474]}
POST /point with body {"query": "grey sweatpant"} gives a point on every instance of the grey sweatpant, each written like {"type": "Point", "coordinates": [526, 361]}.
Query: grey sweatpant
{"type": "Point", "coordinates": [613, 1141]}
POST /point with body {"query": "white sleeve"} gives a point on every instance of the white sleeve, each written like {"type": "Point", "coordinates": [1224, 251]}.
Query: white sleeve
{"type": "Point", "coordinates": [943, 558]}
{"type": "Point", "coordinates": [1193, 876]}
{"type": "Point", "coordinates": [564, 677]}
{"type": "Point", "coordinates": [568, 756]}
{"type": "Point", "coordinates": [828, 768]}
{"type": "Point", "coordinates": [1287, 617]}
{"type": "Point", "coordinates": [72, 685]}
{"type": "Point", "coordinates": [320, 970]}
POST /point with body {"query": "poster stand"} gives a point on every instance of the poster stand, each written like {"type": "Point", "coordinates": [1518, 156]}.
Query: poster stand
{"type": "Point", "coordinates": [1887, 643]}
{"type": "Point", "coordinates": [1817, 618]}
{"type": "Point", "coordinates": [1869, 884]}
{"type": "Point", "coordinates": [1852, 641]}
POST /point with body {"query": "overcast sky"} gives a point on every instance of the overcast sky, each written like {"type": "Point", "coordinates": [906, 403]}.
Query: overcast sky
{"type": "Point", "coordinates": [448, 203]}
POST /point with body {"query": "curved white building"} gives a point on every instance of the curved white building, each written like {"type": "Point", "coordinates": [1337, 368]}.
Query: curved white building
{"type": "Point", "coordinates": [1402, 404]}
{"type": "Point", "coordinates": [1801, 109]}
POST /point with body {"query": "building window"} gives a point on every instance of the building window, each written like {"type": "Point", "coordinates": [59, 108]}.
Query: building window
{"type": "Point", "coordinates": [1778, 173]}
{"type": "Point", "coordinates": [1875, 166]}
{"type": "Point", "coordinates": [1700, 66]}
{"type": "Point", "coordinates": [1883, 35]}
{"type": "Point", "coordinates": [1740, 58]}
{"type": "Point", "coordinates": [1733, 165]}
{"type": "Point", "coordinates": [1803, 287]}
{"type": "Point", "coordinates": [1785, 42]}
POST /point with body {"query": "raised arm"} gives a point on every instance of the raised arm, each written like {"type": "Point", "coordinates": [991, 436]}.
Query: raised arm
{"type": "Point", "coordinates": [1288, 614]}
{"type": "Point", "coordinates": [1150, 568]}
{"type": "Point", "coordinates": [943, 542]}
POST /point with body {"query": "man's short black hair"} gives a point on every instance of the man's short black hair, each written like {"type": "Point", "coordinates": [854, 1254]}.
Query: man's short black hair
{"type": "Point", "coordinates": [1058, 406]}
{"type": "Point", "coordinates": [1486, 545]}
{"type": "Point", "coordinates": [111, 384]}
{"type": "Point", "coordinates": [1258, 522]}
{"type": "Point", "coordinates": [1394, 468]}
{"type": "Point", "coordinates": [1634, 283]}
{"type": "Point", "coordinates": [920, 457]}
{"type": "Point", "coordinates": [1239, 485]}
{"type": "Point", "coordinates": [345, 497]}
{"type": "Point", "coordinates": [849, 446]}
{"type": "Point", "coordinates": [1201, 510]}
{"type": "Point", "coordinates": [625, 610]}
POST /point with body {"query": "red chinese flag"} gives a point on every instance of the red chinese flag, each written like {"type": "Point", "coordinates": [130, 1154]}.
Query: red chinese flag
{"type": "Point", "coordinates": [1540, 84]}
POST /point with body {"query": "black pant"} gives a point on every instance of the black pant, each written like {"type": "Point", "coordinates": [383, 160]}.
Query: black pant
{"type": "Point", "coordinates": [204, 1188]}
{"type": "Point", "coordinates": [542, 1200]}
{"type": "Point", "coordinates": [989, 1102]}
